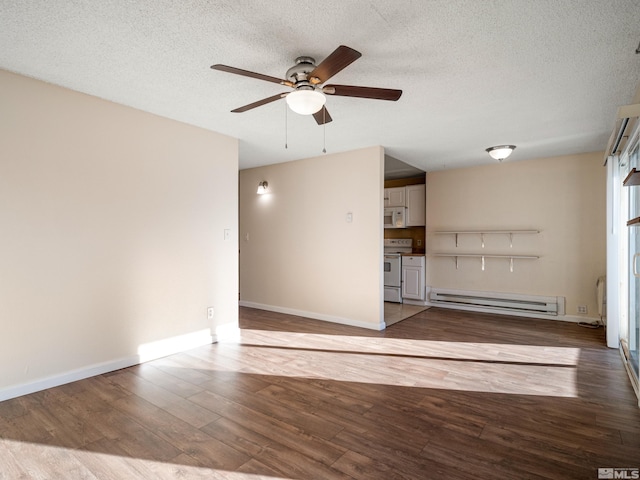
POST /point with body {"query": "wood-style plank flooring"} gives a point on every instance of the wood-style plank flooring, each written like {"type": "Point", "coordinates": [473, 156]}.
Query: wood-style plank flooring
{"type": "Point", "coordinates": [441, 395]}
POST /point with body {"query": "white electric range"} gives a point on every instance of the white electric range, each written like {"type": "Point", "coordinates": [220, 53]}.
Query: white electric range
{"type": "Point", "coordinates": [393, 250]}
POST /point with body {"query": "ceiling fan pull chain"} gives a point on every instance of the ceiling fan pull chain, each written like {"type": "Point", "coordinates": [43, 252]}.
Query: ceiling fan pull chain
{"type": "Point", "coordinates": [286, 127]}
{"type": "Point", "coordinates": [324, 130]}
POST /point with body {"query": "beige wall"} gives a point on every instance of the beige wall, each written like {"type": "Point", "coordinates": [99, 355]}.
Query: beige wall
{"type": "Point", "coordinates": [112, 233]}
{"type": "Point", "coordinates": [301, 255]}
{"type": "Point", "coordinates": [563, 197]}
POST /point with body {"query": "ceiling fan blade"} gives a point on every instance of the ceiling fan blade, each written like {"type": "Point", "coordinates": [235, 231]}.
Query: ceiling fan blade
{"type": "Point", "coordinates": [322, 116]}
{"type": "Point", "coordinates": [259, 103]}
{"type": "Point", "coordinates": [363, 92]}
{"type": "Point", "coordinates": [339, 59]}
{"type": "Point", "coordinates": [247, 73]}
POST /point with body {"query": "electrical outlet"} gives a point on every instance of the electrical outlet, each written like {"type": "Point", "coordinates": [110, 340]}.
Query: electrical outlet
{"type": "Point", "coordinates": [210, 313]}
{"type": "Point", "coordinates": [582, 309]}
{"type": "Point", "coordinates": [227, 234]}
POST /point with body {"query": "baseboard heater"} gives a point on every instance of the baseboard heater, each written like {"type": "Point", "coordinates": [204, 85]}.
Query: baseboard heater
{"type": "Point", "coordinates": [507, 303]}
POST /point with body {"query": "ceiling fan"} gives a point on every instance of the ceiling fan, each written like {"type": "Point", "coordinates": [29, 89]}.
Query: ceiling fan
{"type": "Point", "coordinates": [307, 79]}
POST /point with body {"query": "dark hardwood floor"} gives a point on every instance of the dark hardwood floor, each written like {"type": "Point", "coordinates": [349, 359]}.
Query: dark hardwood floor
{"type": "Point", "coordinates": [441, 395]}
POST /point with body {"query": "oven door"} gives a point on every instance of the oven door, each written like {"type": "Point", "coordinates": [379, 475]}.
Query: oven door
{"type": "Point", "coordinates": [392, 270]}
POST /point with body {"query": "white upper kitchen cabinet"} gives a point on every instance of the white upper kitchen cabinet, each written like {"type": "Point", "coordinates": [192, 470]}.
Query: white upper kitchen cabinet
{"type": "Point", "coordinates": [394, 197]}
{"type": "Point", "coordinates": [415, 196]}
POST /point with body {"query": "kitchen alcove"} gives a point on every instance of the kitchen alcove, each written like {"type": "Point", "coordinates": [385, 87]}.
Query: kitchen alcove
{"type": "Point", "coordinates": [396, 312]}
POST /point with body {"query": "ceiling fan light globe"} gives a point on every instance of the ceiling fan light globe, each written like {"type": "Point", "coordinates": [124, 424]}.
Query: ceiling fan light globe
{"type": "Point", "coordinates": [305, 102]}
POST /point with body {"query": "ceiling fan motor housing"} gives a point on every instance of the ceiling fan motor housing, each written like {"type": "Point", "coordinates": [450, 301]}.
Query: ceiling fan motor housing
{"type": "Point", "coordinates": [298, 74]}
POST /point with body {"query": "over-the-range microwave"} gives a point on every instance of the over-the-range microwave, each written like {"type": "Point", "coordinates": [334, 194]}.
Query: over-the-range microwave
{"type": "Point", "coordinates": [394, 217]}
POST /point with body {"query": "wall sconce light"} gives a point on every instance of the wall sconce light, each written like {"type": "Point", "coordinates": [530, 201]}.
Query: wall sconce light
{"type": "Point", "coordinates": [501, 152]}
{"type": "Point", "coordinates": [263, 187]}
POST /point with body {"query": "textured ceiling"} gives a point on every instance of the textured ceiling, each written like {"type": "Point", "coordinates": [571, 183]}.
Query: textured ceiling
{"type": "Point", "coordinates": [545, 75]}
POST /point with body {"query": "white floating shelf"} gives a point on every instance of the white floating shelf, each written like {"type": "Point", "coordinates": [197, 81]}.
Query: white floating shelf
{"type": "Point", "coordinates": [482, 233]}
{"type": "Point", "coordinates": [482, 257]}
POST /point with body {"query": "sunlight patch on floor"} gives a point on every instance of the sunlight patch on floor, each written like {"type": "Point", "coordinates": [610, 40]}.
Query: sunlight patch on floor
{"type": "Point", "coordinates": [498, 352]}
{"type": "Point", "coordinates": [477, 367]}
{"type": "Point", "coordinates": [30, 460]}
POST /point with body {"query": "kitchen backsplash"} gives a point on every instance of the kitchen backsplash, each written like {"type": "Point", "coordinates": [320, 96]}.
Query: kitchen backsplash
{"type": "Point", "coordinates": [415, 233]}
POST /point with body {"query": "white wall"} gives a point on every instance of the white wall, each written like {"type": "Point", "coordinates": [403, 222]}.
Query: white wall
{"type": "Point", "coordinates": [301, 255]}
{"type": "Point", "coordinates": [112, 234]}
{"type": "Point", "coordinates": [563, 197]}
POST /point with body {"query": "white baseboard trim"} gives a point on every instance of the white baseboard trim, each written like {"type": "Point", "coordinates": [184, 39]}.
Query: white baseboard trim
{"type": "Point", "coordinates": [169, 346]}
{"type": "Point", "coordinates": [314, 315]}
{"type": "Point", "coordinates": [146, 353]}
{"type": "Point", "coordinates": [419, 303]}
{"type": "Point", "coordinates": [67, 377]}
{"type": "Point", "coordinates": [561, 318]}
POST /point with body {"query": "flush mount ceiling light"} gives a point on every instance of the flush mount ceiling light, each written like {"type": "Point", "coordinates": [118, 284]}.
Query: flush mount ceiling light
{"type": "Point", "coordinates": [262, 187]}
{"type": "Point", "coordinates": [500, 152]}
{"type": "Point", "coordinates": [306, 102]}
